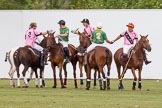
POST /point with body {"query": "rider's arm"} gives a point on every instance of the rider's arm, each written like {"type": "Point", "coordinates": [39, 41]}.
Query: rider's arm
{"type": "Point", "coordinates": [108, 41]}
{"type": "Point", "coordinates": [43, 33]}
{"type": "Point", "coordinates": [118, 37]}
{"type": "Point", "coordinates": [64, 35]}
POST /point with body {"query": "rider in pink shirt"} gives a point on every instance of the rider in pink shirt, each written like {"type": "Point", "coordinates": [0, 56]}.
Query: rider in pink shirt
{"type": "Point", "coordinates": [88, 28]}
{"type": "Point", "coordinates": [129, 37]}
{"type": "Point", "coordinates": [30, 39]}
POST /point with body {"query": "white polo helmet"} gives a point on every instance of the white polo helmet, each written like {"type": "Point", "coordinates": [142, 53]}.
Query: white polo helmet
{"type": "Point", "coordinates": [99, 25]}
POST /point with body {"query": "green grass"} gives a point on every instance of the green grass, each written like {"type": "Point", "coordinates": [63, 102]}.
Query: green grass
{"type": "Point", "coordinates": [149, 97]}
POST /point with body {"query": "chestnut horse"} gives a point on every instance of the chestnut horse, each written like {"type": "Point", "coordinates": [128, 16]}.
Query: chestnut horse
{"type": "Point", "coordinates": [135, 62]}
{"type": "Point", "coordinates": [57, 59]}
{"type": "Point", "coordinates": [27, 57]}
{"type": "Point", "coordinates": [85, 42]}
{"type": "Point", "coordinates": [97, 59]}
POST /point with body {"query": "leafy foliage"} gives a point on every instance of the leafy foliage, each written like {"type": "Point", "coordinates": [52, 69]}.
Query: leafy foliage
{"type": "Point", "coordinates": [80, 4]}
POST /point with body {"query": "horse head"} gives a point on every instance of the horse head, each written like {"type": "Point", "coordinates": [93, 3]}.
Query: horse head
{"type": "Point", "coordinates": [84, 40]}
{"type": "Point", "coordinates": [50, 39]}
{"type": "Point", "coordinates": [144, 41]}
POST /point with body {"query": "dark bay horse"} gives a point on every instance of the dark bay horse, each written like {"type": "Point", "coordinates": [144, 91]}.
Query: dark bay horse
{"type": "Point", "coordinates": [27, 57]}
{"type": "Point", "coordinates": [97, 59]}
{"type": "Point", "coordinates": [136, 61]}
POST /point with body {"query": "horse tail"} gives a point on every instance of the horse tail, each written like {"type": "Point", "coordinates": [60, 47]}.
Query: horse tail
{"type": "Point", "coordinates": [11, 61]}
{"type": "Point", "coordinates": [107, 55]}
{"type": "Point", "coordinates": [7, 54]}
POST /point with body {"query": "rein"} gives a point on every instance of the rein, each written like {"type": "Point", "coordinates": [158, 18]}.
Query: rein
{"type": "Point", "coordinates": [68, 44]}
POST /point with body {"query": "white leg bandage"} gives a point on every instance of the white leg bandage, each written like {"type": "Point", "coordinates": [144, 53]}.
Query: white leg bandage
{"type": "Point", "coordinates": [36, 81]}
{"type": "Point", "coordinates": [25, 81]}
{"type": "Point", "coordinates": [40, 80]}
{"type": "Point", "coordinates": [18, 82]}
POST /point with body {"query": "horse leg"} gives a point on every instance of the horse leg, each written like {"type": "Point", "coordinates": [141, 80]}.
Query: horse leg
{"type": "Point", "coordinates": [36, 78]}
{"type": "Point", "coordinates": [54, 75]}
{"type": "Point", "coordinates": [11, 73]}
{"type": "Point", "coordinates": [25, 79]}
{"type": "Point", "coordinates": [108, 77]}
{"type": "Point", "coordinates": [100, 80]}
{"type": "Point", "coordinates": [60, 75]}
{"type": "Point", "coordinates": [65, 73]}
{"type": "Point", "coordinates": [41, 78]}
{"type": "Point", "coordinates": [18, 76]}
{"type": "Point", "coordinates": [74, 73]}
{"type": "Point", "coordinates": [31, 74]}
{"type": "Point", "coordinates": [140, 80]}
{"type": "Point", "coordinates": [103, 75]}
{"type": "Point", "coordinates": [81, 74]}
{"type": "Point", "coordinates": [135, 79]}
{"type": "Point", "coordinates": [88, 69]}
{"type": "Point", "coordinates": [120, 86]}
{"type": "Point", "coordinates": [95, 73]}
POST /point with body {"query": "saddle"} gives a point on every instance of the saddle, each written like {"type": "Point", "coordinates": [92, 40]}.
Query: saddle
{"type": "Point", "coordinates": [34, 51]}
{"type": "Point", "coordinates": [129, 53]}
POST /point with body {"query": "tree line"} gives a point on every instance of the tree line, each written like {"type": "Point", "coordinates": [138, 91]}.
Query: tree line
{"type": "Point", "coordinates": [80, 4]}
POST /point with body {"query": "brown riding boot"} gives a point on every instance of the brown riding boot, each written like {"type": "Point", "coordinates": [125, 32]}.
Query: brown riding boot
{"type": "Point", "coordinates": [145, 58]}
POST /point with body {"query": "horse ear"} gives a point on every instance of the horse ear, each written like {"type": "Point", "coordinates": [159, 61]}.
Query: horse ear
{"type": "Point", "coordinates": [146, 35]}
{"type": "Point", "coordinates": [53, 33]}
{"type": "Point", "coordinates": [79, 33]}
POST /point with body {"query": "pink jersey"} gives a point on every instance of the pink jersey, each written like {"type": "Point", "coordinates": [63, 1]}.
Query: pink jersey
{"type": "Point", "coordinates": [89, 29]}
{"type": "Point", "coordinates": [31, 36]}
{"type": "Point", "coordinates": [133, 36]}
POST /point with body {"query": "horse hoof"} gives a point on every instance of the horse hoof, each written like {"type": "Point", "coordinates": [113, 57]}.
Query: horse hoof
{"type": "Point", "coordinates": [36, 86]}
{"type": "Point", "coordinates": [108, 88]}
{"type": "Point", "coordinates": [94, 87]}
{"type": "Point", "coordinates": [133, 88]}
{"type": "Point", "coordinates": [63, 87]}
{"type": "Point", "coordinates": [18, 87]}
{"type": "Point", "coordinates": [25, 86]}
{"type": "Point", "coordinates": [87, 88]}
{"type": "Point", "coordinates": [54, 86]}
{"type": "Point", "coordinates": [41, 86]}
{"type": "Point", "coordinates": [100, 88]}
{"type": "Point", "coordinates": [76, 87]}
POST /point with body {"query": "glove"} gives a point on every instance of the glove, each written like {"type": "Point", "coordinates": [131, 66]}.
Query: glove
{"type": "Point", "coordinates": [72, 31]}
{"type": "Point", "coordinates": [111, 42]}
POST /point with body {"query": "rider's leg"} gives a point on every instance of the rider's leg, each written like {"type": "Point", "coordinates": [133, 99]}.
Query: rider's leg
{"type": "Point", "coordinates": [90, 48]}
{"type": "Point", "coordinates": [66, 50]}
{"type": "Point", "coordinates": [39, 48]}
{"type": "Point", "coordinates": [145, 58]}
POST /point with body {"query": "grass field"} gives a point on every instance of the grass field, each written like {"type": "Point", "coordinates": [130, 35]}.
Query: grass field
{"type": "Point", "coordinates": [149, 97]}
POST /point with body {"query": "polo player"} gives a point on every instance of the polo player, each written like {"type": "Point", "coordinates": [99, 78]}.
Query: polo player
{"type": "Point", "coordinates": [129, 36]}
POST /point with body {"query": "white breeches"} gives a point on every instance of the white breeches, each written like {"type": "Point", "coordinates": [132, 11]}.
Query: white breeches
{"type": "Point", "coordinates": [38, 47]}
{"type": "Point", "coordinates": [126, 48]}
{"type": "Point", "coordinates": [65, 44]}
{"type": "Point", "coordinates": [92, 46]}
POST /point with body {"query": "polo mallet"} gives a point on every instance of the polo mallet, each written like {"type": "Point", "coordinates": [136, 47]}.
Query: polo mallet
{"type": "Point", "coordinates": [124, 71]}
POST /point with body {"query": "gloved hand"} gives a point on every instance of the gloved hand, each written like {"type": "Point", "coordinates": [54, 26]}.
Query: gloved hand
{"type": "Point", "coordinates": [72, 31]}
{"type": "Point", "coordinates": [111, 42]}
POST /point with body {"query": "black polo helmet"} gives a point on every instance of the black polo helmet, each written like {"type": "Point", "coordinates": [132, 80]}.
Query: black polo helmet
{"type": "Point", "coordinates": [85, 20]}
{"type": "Point", "coordinates": [62, 22]}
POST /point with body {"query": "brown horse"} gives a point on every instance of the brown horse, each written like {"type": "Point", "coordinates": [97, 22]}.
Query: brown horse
{"type": "Point", "coordinates": [27, 57]}
{"type": "Point", "coordinates": [85, 42]}
{"type": "Point", "coordinates": [97, 59]}
{"type": "Point", "coordinates": [136, 61]}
